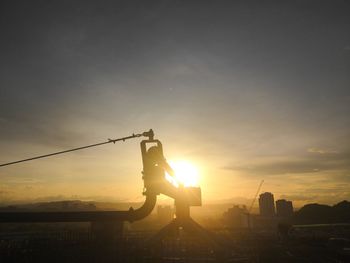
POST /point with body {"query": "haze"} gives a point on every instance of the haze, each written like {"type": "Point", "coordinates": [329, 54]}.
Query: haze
{"type": "Point", "coordinates": [243, 90]}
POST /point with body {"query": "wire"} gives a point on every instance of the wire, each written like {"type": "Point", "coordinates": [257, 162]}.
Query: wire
{"type": "Point", "coordinates": [80, 148]}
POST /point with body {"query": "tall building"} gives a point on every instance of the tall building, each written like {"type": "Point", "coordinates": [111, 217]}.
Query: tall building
{"type": "Point", "coordinates": [267, 204]}
{"type": "Point", "coordinates": [284, 208]}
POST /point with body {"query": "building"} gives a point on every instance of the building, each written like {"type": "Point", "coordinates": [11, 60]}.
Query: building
{"type": "Point", "coordinates": [236, 217]}
{"type": "Point", "coordinates": [284, 208]}
{"type": "Point", "coordinates": [267, 205]}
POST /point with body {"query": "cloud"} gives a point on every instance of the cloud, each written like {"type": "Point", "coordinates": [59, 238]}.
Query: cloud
{"type": "Point", "coordinates": [47, 131]}
{"type": "Point", "coordinates": [316, 161]}
{"type": "Point", "coordinates": [299, 197]}
{"type": "Point", "coordinates": [341, 177]}
{"type": "Point", "coordinates": [281, 167]}
{"type": "Point", "coordinates": [321, 151]}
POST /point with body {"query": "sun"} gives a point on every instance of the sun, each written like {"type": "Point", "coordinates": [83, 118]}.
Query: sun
{"type": "Point", "coordinates": [186, 174]}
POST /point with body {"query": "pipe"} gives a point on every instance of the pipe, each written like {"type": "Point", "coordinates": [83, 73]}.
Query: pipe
{"type": "Point", "coordinates": [81, 216]}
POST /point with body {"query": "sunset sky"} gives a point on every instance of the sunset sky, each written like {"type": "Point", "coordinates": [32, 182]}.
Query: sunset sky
{"type": "Point", "coordinates": [244, 90]}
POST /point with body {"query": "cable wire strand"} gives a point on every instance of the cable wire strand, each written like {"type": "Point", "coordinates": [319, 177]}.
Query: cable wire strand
{"type": "Point", "coordinates": [76, 149]}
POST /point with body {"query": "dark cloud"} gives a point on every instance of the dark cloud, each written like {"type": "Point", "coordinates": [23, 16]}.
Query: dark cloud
{"type": "Point", "coordinates": [45, 132]}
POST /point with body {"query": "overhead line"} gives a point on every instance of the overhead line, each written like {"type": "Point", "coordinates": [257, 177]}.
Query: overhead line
{"type": "Point", "coordinates": [78, 148]}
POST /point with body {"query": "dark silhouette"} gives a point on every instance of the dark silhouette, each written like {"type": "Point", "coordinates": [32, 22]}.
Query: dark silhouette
{"type": "Point", "coordinates": [151, 178]}
{"type": "Point", "coordinates": [267, 204]}
{"type": "Point", "coordinates": [284, 208]}
{"type": "Point", "coordinates": [323, 214]}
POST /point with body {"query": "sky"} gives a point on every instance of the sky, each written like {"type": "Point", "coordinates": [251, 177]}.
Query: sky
{"type": "Point", "coordinates": [244, 90]}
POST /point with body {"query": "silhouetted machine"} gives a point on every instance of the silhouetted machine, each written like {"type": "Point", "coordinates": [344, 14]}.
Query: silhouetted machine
{"type": "Point", "coordinates": [154, 168]}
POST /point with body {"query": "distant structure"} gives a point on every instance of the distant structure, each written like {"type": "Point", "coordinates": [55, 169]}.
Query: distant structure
{"type": "Point", "coordinates": [284, 208]}
{"type": "Point", "coordinates": [165, 213]}
{"type": "Point", "coordinates": [236, 217]}
{"type": "Point", "coordinates": [267, 204]}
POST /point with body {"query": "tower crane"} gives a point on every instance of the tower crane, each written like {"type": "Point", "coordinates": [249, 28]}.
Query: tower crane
{"type": "Point", "coordinates": [256, 195]}
{"type": "Point", "coordinates": [252, 204]}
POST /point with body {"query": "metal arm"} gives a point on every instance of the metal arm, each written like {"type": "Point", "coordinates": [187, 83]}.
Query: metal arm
{"type": "Point", "coordinates": [87, 216]}
{"type": "Point", "coordinates": [83, 216]}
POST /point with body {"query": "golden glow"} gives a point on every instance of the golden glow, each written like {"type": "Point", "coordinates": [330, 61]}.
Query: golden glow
{"type": "Point", "coordinates": [185, 173]}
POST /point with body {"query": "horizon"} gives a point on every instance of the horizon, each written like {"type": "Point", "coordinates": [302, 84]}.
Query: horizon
{"type": "Point", "coordinates": [161, 202]}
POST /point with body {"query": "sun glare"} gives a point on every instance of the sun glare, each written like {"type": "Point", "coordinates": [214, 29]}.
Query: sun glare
{"type": "Point", "coordinates": [185, 174]}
